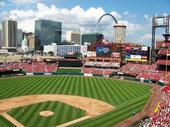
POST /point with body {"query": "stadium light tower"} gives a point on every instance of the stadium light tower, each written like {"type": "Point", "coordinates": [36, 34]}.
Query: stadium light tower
{"type": "Point", "coordinates": [158, 22]}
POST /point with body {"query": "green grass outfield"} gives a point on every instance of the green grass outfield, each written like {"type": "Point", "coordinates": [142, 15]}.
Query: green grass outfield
{"type": "Point", "coordinates": [73, 70]}
{"type": "Point", "coordinates": [126, 96]}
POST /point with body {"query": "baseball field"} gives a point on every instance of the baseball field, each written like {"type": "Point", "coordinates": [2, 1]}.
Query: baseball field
{"type": "Point", "coordinates": [51, 101]}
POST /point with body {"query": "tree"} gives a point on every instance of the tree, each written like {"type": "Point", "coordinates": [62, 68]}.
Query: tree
{"type": "Point", "coordinates": [51, 53]}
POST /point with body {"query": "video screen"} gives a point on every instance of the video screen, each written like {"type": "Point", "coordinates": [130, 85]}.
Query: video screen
{"type": "Point", "coordinates": [137, 53]}
{"type": "Point", "coordinates": [103, 51]}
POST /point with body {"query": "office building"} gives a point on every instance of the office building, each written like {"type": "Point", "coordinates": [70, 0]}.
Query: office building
{"type": "Point", "coordinates": [62, 50]}
{"type": "Point", "coordinates": [0, 39]}
{"type": "Point", "coordinates": [9, 34]}
{"type": "Point", "coordinates": [92, 38]}
{"type": "Point", "coordinates": [47, 32]}
{"type": "Point", "coordinates": [19, 37]}
{"type": "Point", "coordinates": [73, 37]}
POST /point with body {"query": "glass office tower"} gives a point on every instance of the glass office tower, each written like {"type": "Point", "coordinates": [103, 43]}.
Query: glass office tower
{"type": "Point", "coordinates": [47, 32]}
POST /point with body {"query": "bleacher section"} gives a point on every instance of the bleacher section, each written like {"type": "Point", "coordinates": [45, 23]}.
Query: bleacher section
{"type": "Point", "coordinates": [136, 69]}
{"type": "Point", "coordinates": [30, 67]}
{"type": "Point", "coordinates": [145, 71]}
{"type": "Point", "coordinates": [102, 64]}
{"type": "Point", "coordinates": [97, 71]}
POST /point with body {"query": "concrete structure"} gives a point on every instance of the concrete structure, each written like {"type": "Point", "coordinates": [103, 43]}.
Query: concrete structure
{"type": "Point", "coordinates": [158, 22]}
{"type": "Point", "coordinates": [47, 32]}
{"type": "Point", "coordinates": [9, 34]}
{"type": "Point", "coordinates": [120, 33]}
{"type": "Point", "coordinates": [89, 38]}
{"type": "Point", "coordinates": [73, 37]}
{"type": "Point", "coordinates": [50, 48]}
{"type": "Point", "coordinates": [19, 37]}
{"type": "Point", "coordinates": [31, 41]}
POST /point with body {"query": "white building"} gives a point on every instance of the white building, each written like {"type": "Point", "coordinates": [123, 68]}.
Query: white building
{"type": "Point", "coordinates": [51, 48]}
{"type": "Point", "coordinates": [73, 37]}
{"type": "Point", "coordinates": [24, 45]}
{"type": "Point", "coordinates": [65, 49]}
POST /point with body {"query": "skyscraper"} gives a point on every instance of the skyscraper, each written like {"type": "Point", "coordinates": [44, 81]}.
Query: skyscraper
{"type": "Point", "coordinates": [47, 32]}
{"type": "Point", "coordinates": [0, 40]}
{"type": "Point", "coordinates": [9, 33]}
{"type": "Point", "coordinates": [89, 38]}
{"type": "Point", "coordinates": [19, 37]}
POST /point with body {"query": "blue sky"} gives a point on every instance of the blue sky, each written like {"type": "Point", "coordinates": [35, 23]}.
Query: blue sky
{"type": "Point", "coordinates": [136, 14]}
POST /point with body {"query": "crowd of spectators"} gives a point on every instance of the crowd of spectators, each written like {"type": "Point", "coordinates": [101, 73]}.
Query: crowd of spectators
{"type": "Point", "coordinates": [161, 117]}
{"type": "Point", "coordinates": [136, 69]}
{"type": "Point", "coordinates": [93, 70]}
{"type": "Point", "coordinates": [102, 64]}
{"type": "Point", "coordinates": [145, 71]}
{"type": "Point", "coordinates": [29, 67]}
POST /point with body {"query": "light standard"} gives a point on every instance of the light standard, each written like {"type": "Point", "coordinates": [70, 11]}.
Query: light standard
{"type": "Point", "coordinates": [167, 62]}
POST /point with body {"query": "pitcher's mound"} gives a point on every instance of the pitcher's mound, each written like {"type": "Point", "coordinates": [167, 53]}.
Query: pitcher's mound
{"type": "Point", "coordinates": [46, 113]}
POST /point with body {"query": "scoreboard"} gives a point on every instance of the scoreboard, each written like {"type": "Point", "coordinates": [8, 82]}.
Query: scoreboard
{"type": "Point", "coordinates": [140, 53]}
{"type": "Point", "coordinates": [103, 50]}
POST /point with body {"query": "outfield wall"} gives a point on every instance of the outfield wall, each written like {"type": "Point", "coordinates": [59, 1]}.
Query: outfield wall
{"type": "Point", "coordinates": [87, 75]}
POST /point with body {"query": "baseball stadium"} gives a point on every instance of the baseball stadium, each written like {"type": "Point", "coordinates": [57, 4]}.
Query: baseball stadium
{"type": "Point", "coordinates": [96, 91]}
{"type": "Point", "coordinates": [102, 84]}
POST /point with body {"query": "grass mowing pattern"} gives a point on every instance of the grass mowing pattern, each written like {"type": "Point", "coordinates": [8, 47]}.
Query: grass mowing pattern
{"type": "Point", "coordinates": [26, 113]}
{"type": "Point", "coordinates": [126, 96]}
{"type": "Point", "coordinates": [69, 70]}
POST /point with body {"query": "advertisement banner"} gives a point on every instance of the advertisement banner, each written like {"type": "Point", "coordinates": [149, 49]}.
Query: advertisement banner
{"type": "Point", "coordinates": [135, 56]}
{"type": "Point", "coordinates": [89, 53]}
{"type": "Point", "coordinates": [144, 48]}
{"type": "Point", "coordinates": [116, 54]}
{"type": "Point", "coordinates": [128, 48]}
{"type": "Point", "coordinates": [93, 53]}
{"type": "Point", "coordinates": [84, 50]}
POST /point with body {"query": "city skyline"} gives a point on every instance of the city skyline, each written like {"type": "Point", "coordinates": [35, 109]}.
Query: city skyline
{"type": "Point", "coordinates": [83, 15]}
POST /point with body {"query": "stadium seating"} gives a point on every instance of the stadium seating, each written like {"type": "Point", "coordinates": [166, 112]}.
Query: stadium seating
{"type": "Point", "coordinates": [30, 67]}
{"type": "Point", "coordinates": [161, 117]}
{"type": "Point", "coordinates": [136, 69]}
{"type": "Point", "coordinates": [97, 71]}
{"type": "Point", "coordinates": [163, 62]}
{"type": "Point", "coordinates": [145, 71]}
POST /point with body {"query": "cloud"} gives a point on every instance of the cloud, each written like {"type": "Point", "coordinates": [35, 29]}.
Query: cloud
{"type": "Point", "coordinates": [131, 27]}
{"type": "Point", "coordinates": [149, 19]}
{"type": "Point", "coordinates": [24, 1]}
{"type": "Point", "coordinates": [128, 15]}
{"type": "Point", "coordinates": [76, 18]}
{"type": "Point", "coordinates": [2, 3]}
{"type": "Point", "coordinates": [148, 36]}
